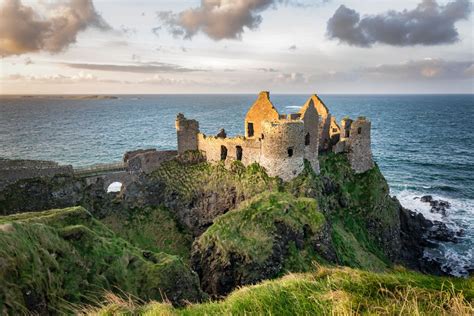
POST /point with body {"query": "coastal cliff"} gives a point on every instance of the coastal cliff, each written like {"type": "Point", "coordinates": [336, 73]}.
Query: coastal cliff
{"type": "Point", "coordinates": [190, 228]}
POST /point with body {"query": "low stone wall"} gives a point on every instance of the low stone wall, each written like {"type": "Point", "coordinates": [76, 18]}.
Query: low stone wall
{"type": "Point", "coordinates": [146, 161]}
{"type": "Point", "coordinates": [14, 170]}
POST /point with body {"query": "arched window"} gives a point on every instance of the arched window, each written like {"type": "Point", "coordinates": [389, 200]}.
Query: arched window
{"type": "Point", "coordinates": [347, 133]}
{"type": "Point", "coordinates": [223, 152]}
{"type": "Point", "coordinates": [290, 151]}
{"type": "Point", "coordinates": [359, 130]}
{"type": "Point", "coordinates": [307, 139]}
{"type": "Point", "coordinates": [238, 150]}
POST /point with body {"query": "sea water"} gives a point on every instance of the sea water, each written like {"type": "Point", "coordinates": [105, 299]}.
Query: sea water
{"type": "Point", "coordinates": [424, 144]}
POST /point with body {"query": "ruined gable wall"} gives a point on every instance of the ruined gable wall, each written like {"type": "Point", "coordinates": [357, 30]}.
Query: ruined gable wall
{"type": "Point", "coordinates": [261, 110]}
{"type": "Point", "coordinates": [324, 122]}
{"type": "Point", "coordinates": [360, 152]}
{"type": "Point", "coordinates": [310, 119]}
{"type": "Point", "coordinates": [211, 147]}
{"type": "Point", "coordinates": [334, 131]}
{"type": "Point", "coordinates": [187, 131]}
{"type": "Point", "coordinates": [279, 137]}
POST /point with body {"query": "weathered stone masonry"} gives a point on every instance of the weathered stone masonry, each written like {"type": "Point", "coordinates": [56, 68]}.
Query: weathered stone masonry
{"type": "Point", "coordinates": [281, 142]}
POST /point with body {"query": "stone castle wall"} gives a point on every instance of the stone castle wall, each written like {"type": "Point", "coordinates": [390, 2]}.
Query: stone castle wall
{"type": "Point", "coordinates": [227, 149]}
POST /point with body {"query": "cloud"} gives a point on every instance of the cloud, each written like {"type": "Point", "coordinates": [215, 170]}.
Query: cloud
{"type": "Point", "coordinates": [141, 67]}
{"type": "Point", "coordinates": [429, 68]}
{"type": "Point", "coordinates": [219, 19]}
{"type": "Point", "coordinates": [428, 24]}
{"type": "Point", "coordinates": [81, 77]}
{"type": "Point", "coordinates": [292, 47]}
{"type": "Point", "coordinates": [160, 80]}
{"type": "Point", "coordinates": [23, 30]}
{"type": "Point", "coordinates": [293, 77]}
{"type": "Point", "coordinates": [267, 69]}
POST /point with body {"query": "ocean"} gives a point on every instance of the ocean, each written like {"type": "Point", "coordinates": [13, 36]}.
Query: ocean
{"type": "Point", "coordinates": [424, 144]}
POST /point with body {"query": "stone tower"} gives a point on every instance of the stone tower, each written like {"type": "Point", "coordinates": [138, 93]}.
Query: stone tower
{"type": "Point", "coordinates": [261, 110]}
{"type": "Point", "coordinates": [283, 148]}
{"type": "Point", "coordinates": [360, 152]}
{"type": "Point", "coordinates": [187, 132]}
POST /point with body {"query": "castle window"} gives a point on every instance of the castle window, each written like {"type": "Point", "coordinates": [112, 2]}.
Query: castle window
{"type": "Point", "coordinates": [250, 130]}
{"type": "Point", "coordinates": [263, 136]}
{"type": "Point", "coordinates": [290, 151]}
{"type": "Point", "coordinates": [334, 130]}
{"type": "Point", "coordinates": [238, 150]}
{"type": "Point", "coordinates": [347, 133]}
{"type": "Point", "coordinates": [223, 152]}
{"type": "Point", "coordinates": [359, 130]}
{"type": "Point", "coordinates": [307, 139]}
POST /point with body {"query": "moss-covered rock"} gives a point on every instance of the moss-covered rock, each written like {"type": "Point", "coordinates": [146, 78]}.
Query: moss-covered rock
{"type": "Point", "coordinates": [50, 260]}
{"type": "Point", "coordinates": [365, 219]}
{"type": "Point", "coordinates": [199, 192]}
{"type": "Point", "coordinates": [265, 236]}
{"type": "Point", "coordinates": [151, 228]}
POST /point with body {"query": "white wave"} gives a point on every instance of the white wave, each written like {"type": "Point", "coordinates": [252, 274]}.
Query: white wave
{"type": "Point", "coordinates": [293, 107]}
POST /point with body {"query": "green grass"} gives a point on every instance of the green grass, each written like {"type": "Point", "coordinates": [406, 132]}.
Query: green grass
{"type": "Point", "coordinates": [250, 230]}
{"type": "Point", "coordinates": [50, 260]}
{"type": "Point", "coordinates": [327, 291]}
{"type": "Point", "coordinates": [152, 229]}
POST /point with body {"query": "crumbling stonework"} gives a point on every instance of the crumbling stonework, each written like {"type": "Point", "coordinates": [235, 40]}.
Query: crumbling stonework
{"type": "Point", "coordinates": [280, 142]}
{"type": "Point", "coordinates": [146, 161]}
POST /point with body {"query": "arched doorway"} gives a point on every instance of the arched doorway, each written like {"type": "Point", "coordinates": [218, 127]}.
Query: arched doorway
{"type": "Point", "coordinates": [114, 187]}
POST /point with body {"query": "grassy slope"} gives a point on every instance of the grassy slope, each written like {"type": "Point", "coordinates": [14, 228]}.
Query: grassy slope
{"type": "Point", "coordinates": [353, 201]}
{"type": "Point", "coordinates": [250, 230]}
{"type": "Point", "coordinates": [53, 258]}
{"type": "Point", "coordinates": [152, 229]}
{"type": "Point", "coordinates": [329, 291]}
{"type": "Point", "coordinates": [186, 180]}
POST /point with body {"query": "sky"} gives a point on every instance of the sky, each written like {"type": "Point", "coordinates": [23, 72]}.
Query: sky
{"type": "Point", "coordinates": [236, 46]}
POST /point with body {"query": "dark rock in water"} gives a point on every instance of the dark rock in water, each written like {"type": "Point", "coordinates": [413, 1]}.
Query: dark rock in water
{"type": "Point", "coordinates": [437, 206]}
{"type": "Point", "coordinates": [417, 232]}
{"type": "Point", "coordinates": [426, 198]}
{"type": "Point", "coordinates": [441, 232]}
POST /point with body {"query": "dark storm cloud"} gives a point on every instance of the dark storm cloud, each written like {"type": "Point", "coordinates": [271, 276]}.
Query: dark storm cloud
{"type": "Point", "coordinates": [23, 30]}
{"type": "Point", "coordinates": [428, 24]}
{"type": "Point", "coordinates": [151, 67]}
{"type": "Point", "coordinates": [219, 19]}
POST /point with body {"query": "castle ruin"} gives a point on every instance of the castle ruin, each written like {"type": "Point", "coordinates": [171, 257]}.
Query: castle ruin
{"type": "Point", "coordinates": [281, 142]}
